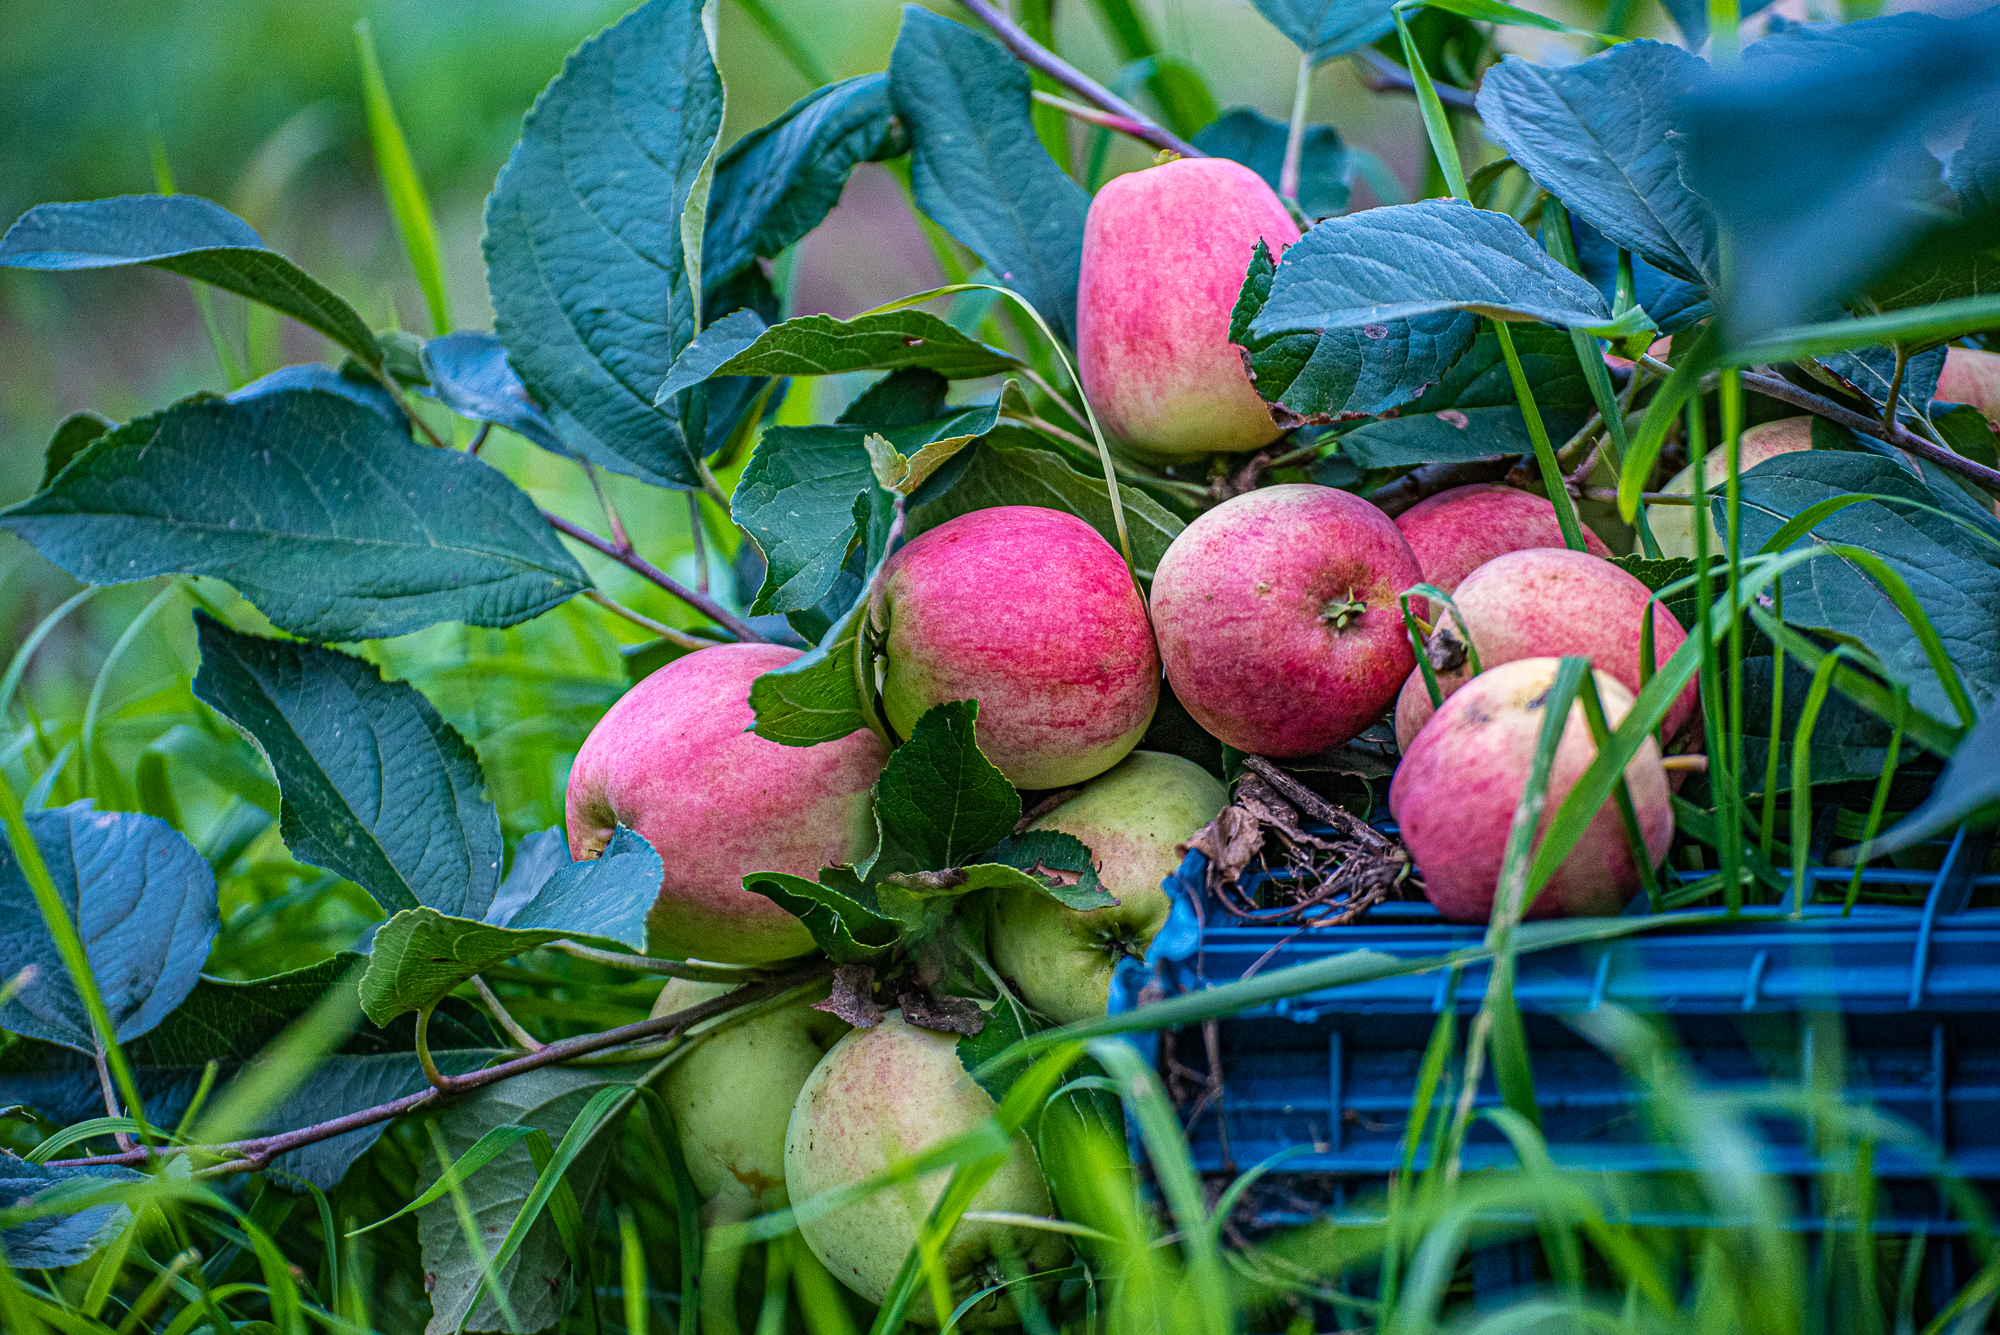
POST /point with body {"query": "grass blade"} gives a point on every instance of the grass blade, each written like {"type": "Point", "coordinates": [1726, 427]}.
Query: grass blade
{"type": "Point", "coordinates": [402, 185]}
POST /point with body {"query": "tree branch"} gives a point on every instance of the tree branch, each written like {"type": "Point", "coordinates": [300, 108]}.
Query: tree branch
{"type": "Point", "coordinates": [257, 1152]}
{"type": "Point", "coordinates": [1413, 486]}
{"type": "Point", "coordinates": [1384, 75]}
{"type": "Point", "coordinates": [631, 560]}
{"type": "Point", "coordinates": [1036, 56]}
{"type": "Point", "coordinates": [1091, 115]}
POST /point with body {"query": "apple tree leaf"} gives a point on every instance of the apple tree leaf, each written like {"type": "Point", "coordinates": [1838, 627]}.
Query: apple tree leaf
{"type": "Point", "coordinates": [369, 393]}
{"type": "Point", "coordinates": [375, 785]}
{"type": "Point", "coordinates": [594, 232]}
{"type": "Point", "coordinates": [188, 236]}
{"type": "Point", "coordinates": [822, 345]}
{"type": "Point", "coordinates": [76, 431]}
{"type": "Point", "coordinates": [940, 801]}
{"type": "Point", "coordinates": [1329, 28]}
{"type": "Point", "coordinates": [842, 913]}
{"type": "Point", "coordinates": [1968, 792]}
{"type": "Point", "coordinates": [978, 168]}
{"type": "Point", "coordinates": [333, 523]}
{"type": "Point", "coordinates": [471, 376]}
{"type": "Point", "coordinates": [605, 898]}
{"type": "Point", "coordinates": [1059, 864]}
{"type": "Point", "coordinates": [52, 1241]}
{"type": "Point", "coordinates": [141, 898]}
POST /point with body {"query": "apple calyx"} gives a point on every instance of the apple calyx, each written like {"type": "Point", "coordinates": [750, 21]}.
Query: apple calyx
{"type": "Point", "coordinates": [1446, 649]}
{"type": "Point", "coordinates": [1340, 613]}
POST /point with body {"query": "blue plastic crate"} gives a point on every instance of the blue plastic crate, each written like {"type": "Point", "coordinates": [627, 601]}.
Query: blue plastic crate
{"type": "Point", "coordinates": [1916, 991]}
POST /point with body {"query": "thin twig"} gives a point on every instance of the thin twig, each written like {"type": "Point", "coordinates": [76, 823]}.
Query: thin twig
{"type": "Point", "coordinates": [1036, 56]}
{"type": "Point", "coordinates": [504, 1017]}
{"type": "Point", "coordinates": [111, 1107]}
{"type": "Point", "coordinates": [639, 565]}
{"type": "Point", "coordinates": [478, 441]}
{"type": "Point", "coordinates": [700, 546]}
{"type": "Point", "coordinates": [618, 534]}
{"type": "Point", "coordinates": [1384, 75]}
{"type": "Point", "coordinates": [697, 973]}
{"type": "Point", "coordinates": [659, 628]}
{"type": "Point", "coordinates": [1091, 115]}
{"type": "Point", "coordinates": [1430, 479]}
{"type": "Point", "coordinates": [258, 1151]}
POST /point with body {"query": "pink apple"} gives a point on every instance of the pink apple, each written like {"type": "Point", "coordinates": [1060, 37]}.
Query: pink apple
{"type": "Point", "coordinates": [1032, 614]}
{"type": "Point", "coordinates": [1455, 532]}
{"type": "Point", "coordinates": [674, 761]}
{"type": "Point", "coordinates": [1277, 618]}
{"type": "Point", "coordinates": [1673, 525]}
{"type": "Point", "coordinates": [1547, 602]}
{"type": "Point", "coordinates": [1971, 376]}
{"type": "Point", "coordinates": [1455, 792]}
{"type": "Point", "coordinates": [1164, 254]}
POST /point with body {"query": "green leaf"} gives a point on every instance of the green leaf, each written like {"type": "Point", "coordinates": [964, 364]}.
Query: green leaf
{"type": "Point", "coordinates": [1473, 412]}
{"type": "Point", "coordinates": [376, 786]}
{"type": "Point", "coordinates": [1327, 376]}
{"type": "Point", "coordinates": [142, 900]}
{"type": "Point", "coordinates": [188, 236]}
{"type": "Point", "coordinates": [536, 1282]}
{"type": "Point", "coordinates": [470, 375]}
{"type": "Point", "coordinates": [332, 523]}
{"type": "Point", "coordinates": [1598, 135]}
{"type": "Point", "coordinates": [1039, 852]}
{"type": "Point", "coordinates": [822, 345]}
{"type": "Point", "coordinates": [76, 431]}
{"type": "Point", "coordinates": [593, 237]}
{"type": "Point", "coordinates": [1934, 272]}
{"type": "Point", "coordinates": [230, 1023]}
{"type": "Point", "coordinates": [1848, 742]}
{"type": "Point", "coordinates": [1953, 570]}
{"type": "Point", "coordinates": [1006, 469]}
{"type": "Point", "coordinates": [844, 916]}
{"type": "Point", "coordinates": [1329, 28]}
{"type": "Point", "coordinates": [1974, 173]}
{"type": "Point", "coordinates": [778, 182]}
{"type": "Point", "coordinates": [1248, 136]}
{"type": "Point", "coordinates": [940, 801]}
{"type": "Point", "coordinates": [797, 498]}
{"type": "Point", "coordinates": [56, 1240]}
{"type": "Point", "coordinates": [1670, 303]}
{"type": "Point", "coordinates": [819, 696]}
{"type": "Point", "coordinates": [349, 382]}
{"type": "Point", "coordinates": [978, 169]}
{"type": "Point", "coordinates": [1868, 373]}
{"type": "Point", "coordinates": [605, 898]}
{"type": "Point", "coordinates": [1967, 792]}
{"type": "Point", "coordinates": [1497, 11]}
{"type": "Point", "coordinates": [1920, 326]}
{"type": "Point", "coordinates": [1407, 260]}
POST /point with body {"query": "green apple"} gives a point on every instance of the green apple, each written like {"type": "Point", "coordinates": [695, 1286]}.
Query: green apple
{"type": "Point", "coordinates": [732, 1096]}
{"type": "Point", "coordinates": [1673, 525]}
{"type": "Point", "coordinates": [884, 1095]}
{"type": "Point", "coordinates": [1134, 817]}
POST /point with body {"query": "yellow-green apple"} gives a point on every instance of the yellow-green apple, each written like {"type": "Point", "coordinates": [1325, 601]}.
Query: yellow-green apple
{"type": "Point", "coordinates": [1277, 618]}
{"type": "Point", "coordinates": [883, 1096]}
{"type": "Point", "coordinates": [1032, 614]}
{"type": "Point", "coordinates": [1455, 792]}
{"type": "Point", "coordinates": [732, 1096]}
{"type": "Point", "coordinates": [1455, 532]}
{"type": "Point", "coordinates": [674, 760]}
{"type": "Point", "coordinates": [1133, 817]}
{"type": "Point", "coordinates": [1164, 255]}
{"type": "Point", "coordinates": [1546, 602]}
{"type": "Point", "coordinates": [1972, 376]}
{"type": "Point", "coordinates": [1673, 525]}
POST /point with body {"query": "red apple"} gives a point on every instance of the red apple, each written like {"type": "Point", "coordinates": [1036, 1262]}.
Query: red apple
{"type": "Point", "coordinates": [1455, 532]}
{"type": "Point", "coordinates": [1971, 376]}
{"type": "Point", "coordinates": [1032, 614]}
{"type": "Point", "coordinates": [1277, 618]}
{"type": "Point", "coordinates": [674, 761]}
{"type": "Point", "coordinates": [1547, 602]}
{"type": "Point", "coordinates": [1455, 792]}
{"type": "Point", "coordinates": [1164, 254]}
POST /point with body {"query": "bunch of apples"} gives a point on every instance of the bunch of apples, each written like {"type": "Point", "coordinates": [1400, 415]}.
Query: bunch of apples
{"type": "Point", "coordinates": [1275, 616]}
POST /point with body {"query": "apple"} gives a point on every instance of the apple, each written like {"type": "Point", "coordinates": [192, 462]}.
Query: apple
{"type": "Point", "coordinates": [1455, 532]}
{"type": "Point", "coordinates": [1164, 254]}
{"type": "Point", "coordinates": [1032, 614]}
{"type": "Point", "coordinates": [732, 1096]}
{"type": "Point", "coordinates": [674, 761]}
{"type": "Point", "coordinates": [1546, 602]}
{"type": "Point", "coordinates": [1455, 792]}
{"type": "Point", "coordinates": [1673, 525]}
{"type": "Point", "coordinates": [1971, 376]}
{"type": "Point", "coordinates": [1277, 618]}
{"type": "Point", "coordinates": [883, 1096]}
{"type": "Point", "coordinates": [1133, 817]}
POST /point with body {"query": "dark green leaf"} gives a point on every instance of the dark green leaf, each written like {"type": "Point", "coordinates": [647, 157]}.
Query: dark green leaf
{"type": "Point", "coordinates": [1945, 266]}
{"type": "Point", "coordinates": [1415, 259]}
{"type": "Point", "coordinates": [470, 375]}
{"type": "Point", "coordinates": [1672, 304]}
{"type": "Point", "coordinates": [377, 787]}
{"type": "Point", "coordinates": [977, 167]}
{"type": "Point", "coordinates": [1691, 17]}
{"type": "Point", "coordinates": [817, 697]}
{"type": "Point", "coordinates": [188, 236]}
{"type": "Point", "coordinates": [1848, 742]}
{"type": "Point", "coordinates": [776, 183]}
{"type": "Point", "coordinates": [842, 914]}
{"type": "Point", "coordinates": [604, 898]}
{"type": "Point", "coordinates": [900, 398]}
{"type": "Point", "coordinates": [536, 858]}
{"type": "Point", "coordinates": [1472, 413]}
{"type": "Point", "coordinates": [1329, 28]}
{"type": "Point", "coordinates": [76, 431]}
{"type": "Point", "coordinates": [335, 525]}
{"type": "Point", "coordinates": [1869, 372]}
{"type": "Point", "coordinates": [1967, 431]}
{"type": "Point", "coordinates": [1974, 175]}
{"type": "Point", "coordinates": [357, 388]}
{"type": "Point", "coordinates": [822, 345]}
{"type": "Point", "coordinates": [1336, 374]}
{"type": "Point", "coordinates": [1006, 469]}
{"type": "Point", "coordinates": [1598, 136]}
{"type": "Point", "coordinates": [1248, 136]}
{"type": "Point", "coordinates": [57, 1240]}
{"type": "Point", "coordinates": [940, 801]}
{"type": "Point", "coordinates": [1811, 151]}
{"type": "Point", "coordinates": [1954, 573]}
{"type": "Point", "coordinates": [592, 268]}
{"type": "Point", "coordinates": [142, 900]}
{"type": "Point", "coordinates": [1967, 791]}
{"type": "Point", "coordinates": [1040, 852]}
